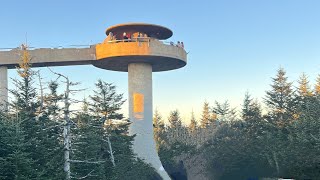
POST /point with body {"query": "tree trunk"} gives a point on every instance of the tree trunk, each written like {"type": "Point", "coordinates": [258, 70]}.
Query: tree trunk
{"type": "Point", "coordinates": [66, 133]}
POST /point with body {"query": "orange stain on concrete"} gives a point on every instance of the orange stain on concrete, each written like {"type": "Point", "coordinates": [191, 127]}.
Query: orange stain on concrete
{"type": "Point", "coordinates": [138, 103]}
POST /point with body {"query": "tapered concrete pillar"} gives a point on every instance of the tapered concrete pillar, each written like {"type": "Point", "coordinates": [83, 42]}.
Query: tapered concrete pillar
{"type": "Point", "coordinates": [140, 113]}
{"type": "Point", "coordinates": [3, 87]}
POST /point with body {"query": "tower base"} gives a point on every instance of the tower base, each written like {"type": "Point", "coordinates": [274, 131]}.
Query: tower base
{"type": "Point", "coordinates": [140, 114]}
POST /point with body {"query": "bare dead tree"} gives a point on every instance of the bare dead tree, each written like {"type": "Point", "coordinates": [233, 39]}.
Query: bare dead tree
{"type": "Point", "coordinates": [41, 91]}
{"type": "Point", "coordinates": [67, 129]}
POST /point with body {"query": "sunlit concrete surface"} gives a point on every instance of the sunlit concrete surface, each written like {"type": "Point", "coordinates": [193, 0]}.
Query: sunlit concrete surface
{"type": "Point", "coordinates": [50, 57]}
{"type": "Point", "coordinates": [140, 109]}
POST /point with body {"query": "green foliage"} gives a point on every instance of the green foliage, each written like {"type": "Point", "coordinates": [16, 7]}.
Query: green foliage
{"type": "Point", "coordinates": [193, 124]}
{"type": "Point", "coordinates": [304, 89]}
{"type": "Point", "coordinates": [284, 143]}
{"type": "Point", "coordinates": [317, 86]}
{"type": "Point", "coordinates": [205, 116]}
{"type": "Point", "coordinates": [250, 109]}
{"type": "Point", "coordinates": [174, 119]}
{"type": "Point", "coordinates": [15, 159]}
{"type": "Point", "coordinates": [224, 111]}
{"type": "Point", "coordinates": [94, 127]}
{"type": "Point", "coordinates": [159, 130]}
{"type": "Point", "coordinates": [51, 108]}
{"type": "Point", "coordinates": [280, 100]}
{"type": "Point", "coordinates": [106, 102]}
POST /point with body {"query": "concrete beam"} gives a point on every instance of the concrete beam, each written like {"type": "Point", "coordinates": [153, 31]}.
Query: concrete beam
{"type": "Point", "coordinates": [50, 57]}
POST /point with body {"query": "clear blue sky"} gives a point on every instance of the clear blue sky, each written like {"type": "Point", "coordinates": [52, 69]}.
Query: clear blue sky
{"type": "Point", "coordinates": [234, 45]}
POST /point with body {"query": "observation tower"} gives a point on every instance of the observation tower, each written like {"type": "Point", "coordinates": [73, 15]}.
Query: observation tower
{"type": "Point", "coordinates": [135, 48]}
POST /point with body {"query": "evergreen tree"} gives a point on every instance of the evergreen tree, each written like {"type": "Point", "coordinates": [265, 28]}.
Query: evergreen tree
{"type": "Point", "coordinates": [302, 160]}
{"type": "Point", "coordinates": [250, 109]}
{"type": "Point", "coordinates": [49, 135]}
{"type": "Point", "coordinates": [25, 102]}
{"type": "Point", "coordinates": [213, 117]}
{"type": "Point", "coordinates": [24, 105]}
{"type": "Point", "coordinates": [193, 124]}
{"type": "Point", "coordinates": [51, 100]}
{"type": "Point", "coordinates": [175, 120]}
{"type": "Point", "coordinates": [304, 89]}
{"type": "Point", "coordinates": [158, 130]}
{"type": "Point", "coordinates": [280, 99]}
{"type": "Point", "coordinates": [205, 116]}
{"type": "Point", "coordinates": [15, 160]}
{"type": "Point", "coordinates": [224, 112]}
{"type": "Point", "coordinates": [42, 135]}
{"type": "Point", "coordinates": [99, 129]}
{"type": "Point", "coordinates": [317, 86]}
{"type": "Point", "coordinates": [106, 102]}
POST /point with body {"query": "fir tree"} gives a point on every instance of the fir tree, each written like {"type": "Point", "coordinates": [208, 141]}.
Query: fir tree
{"type": "Point", "coordinates": [106, 102]}
{"type": "Point", "coordinates": [15, 159]}
{"type": "Point", "coordinates": [317, 86]}
{"type": "Point", "coordinates": [25, 102]}
{"type": "Point", "coordinates": [280, 99]}
{"type": "Point", "coordinates": [304, 89]}
{"type": "Point", "coordinates": [51, 100]}
{"type": "Point", "coordinates": [41, 133]}
{"type": "Point", "coordinates": [193, 124]}
{"type": "Point", "coordinates": [99, 129]}
{"type": "Point", "coordinates": [250, 109]}
{"type": "Point", "coordinates": [205, 116]}
{"type": "Point", "coordinates": [158, 130]}
{"type": "Point", "coordinates": [175, 120]}
{"type": "Point", "coordinates": [224, 112]}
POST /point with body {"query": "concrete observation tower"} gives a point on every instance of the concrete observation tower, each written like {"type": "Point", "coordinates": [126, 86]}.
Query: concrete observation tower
{"type": "Point", "coordinates": [135, 48]}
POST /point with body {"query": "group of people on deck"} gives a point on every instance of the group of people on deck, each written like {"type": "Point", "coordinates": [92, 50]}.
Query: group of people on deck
{"type": "Point", "coordinates": [179, 44]}
{"type": "Point", "coordinates": [136, 36]}
{"type": "Point", "coordinates": [126, 36]}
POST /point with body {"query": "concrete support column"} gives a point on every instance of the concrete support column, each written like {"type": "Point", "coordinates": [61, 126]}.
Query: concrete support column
{"type": "Point", "coordinates": [140, 114]}
{"type": "Point", "coordinates": [3, 87]}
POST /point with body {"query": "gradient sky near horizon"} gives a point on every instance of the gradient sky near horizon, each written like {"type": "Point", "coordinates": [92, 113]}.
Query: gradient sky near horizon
{"type": "Point", "coordinates": [234, 46]}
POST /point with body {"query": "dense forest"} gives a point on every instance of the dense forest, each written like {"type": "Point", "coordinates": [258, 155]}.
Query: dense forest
{"type": "Point", "coordinates": [42, 138]}
{"type": "Point", "coordinates": [279, 137]}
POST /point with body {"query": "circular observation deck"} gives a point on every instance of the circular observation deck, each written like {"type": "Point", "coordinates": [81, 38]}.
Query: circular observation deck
{"type": "Point", "coordinates": [116, 54]}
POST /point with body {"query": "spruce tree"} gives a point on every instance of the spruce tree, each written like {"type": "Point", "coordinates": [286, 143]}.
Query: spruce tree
{"type": "Point", "coordinates": [175, 120]}
{"type": "Point", "coordinates": [205, 116]}
{"type": "Point", "coordinates": [193, 124]}
{"type": "Point", "coordinates": [280, 99]}
{"type": "Point", "coordinates": [25, 102]}
{"type": "Point", "coordinates": [250, 109]}
{"type": "Point", "coordinates": [304, 89]}
{"type": "Point", "coordinates": [51, 100]}
{"type": "Point", "coordinates": [158, 130]}
{"type": "Point", "coordinates": [224, 112]}
{"type": "Point", "coordinates": [15, 159]}
{"type": "Point", "coordinates": [317, 86]}
{"type": "Point", "coordinates": [99, 126]}
{"type": "Point", "coordinates": [41, 134]}
{"type": "Point", "coordinates": [106, 102]}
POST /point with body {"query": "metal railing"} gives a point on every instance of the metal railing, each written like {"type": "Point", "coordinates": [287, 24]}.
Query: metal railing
{"type": "Point", "coordinates": [136, 39]}
{"type": "Point", "coordinates": [144, 39]}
